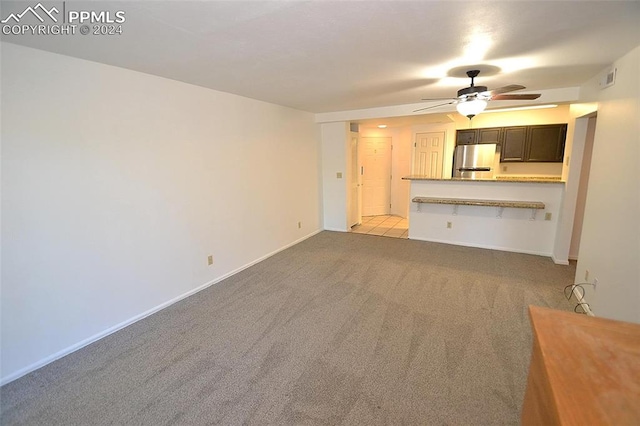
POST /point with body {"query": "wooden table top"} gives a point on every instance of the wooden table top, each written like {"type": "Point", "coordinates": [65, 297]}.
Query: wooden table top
{"type": "Point", "coordinates": [592, 366]}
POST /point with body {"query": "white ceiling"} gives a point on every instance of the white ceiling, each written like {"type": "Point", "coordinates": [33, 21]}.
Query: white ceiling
{"type": "Point", "coordinates": [323, 56]}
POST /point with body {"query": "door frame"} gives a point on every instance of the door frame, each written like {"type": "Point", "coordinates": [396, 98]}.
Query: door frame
{"type": "Point", "coordinates": [354, 193]}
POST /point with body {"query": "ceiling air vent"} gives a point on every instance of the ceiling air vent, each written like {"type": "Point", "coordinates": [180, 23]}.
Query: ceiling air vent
{"type": "Point", "coordinates": [608, 79]}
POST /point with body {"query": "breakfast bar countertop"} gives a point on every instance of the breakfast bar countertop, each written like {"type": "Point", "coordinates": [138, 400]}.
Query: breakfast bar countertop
{"type": "Point", "coordinates": [526, 179]}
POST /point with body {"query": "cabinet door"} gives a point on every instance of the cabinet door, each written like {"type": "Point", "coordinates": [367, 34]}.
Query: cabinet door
{"type": "Point", "coordinates": [466, 137]}
{"type": "Point", "coordinates": [546, 143]}
{"type": "Point", "coordinates": [489, 135]}
{"type": "Point", "coordinates": [514, 144]}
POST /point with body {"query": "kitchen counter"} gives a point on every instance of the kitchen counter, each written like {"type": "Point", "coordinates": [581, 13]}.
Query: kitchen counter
{"type": "Point", "coordinates": [526, 179]}
{"type": "Point", "coordinates": [518, 214]}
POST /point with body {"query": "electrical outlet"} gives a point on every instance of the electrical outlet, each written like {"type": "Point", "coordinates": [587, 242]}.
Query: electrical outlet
{"type": "Point", "coordinates": [210, 260]}
{"type": "Point", "coordinates": [449, 225]}
{"type": "Point", "coordinates": [299, 225]}
{"type": "Point", "coordinates": [586, 275]}
{"type": "Point", "coordinates": [547, 216]}
{"type": "Point", "coordinates": [339, 175]}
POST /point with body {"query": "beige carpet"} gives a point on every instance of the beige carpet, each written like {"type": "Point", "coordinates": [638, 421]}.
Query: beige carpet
{"type": "Point", "coordinates": [340, 329]}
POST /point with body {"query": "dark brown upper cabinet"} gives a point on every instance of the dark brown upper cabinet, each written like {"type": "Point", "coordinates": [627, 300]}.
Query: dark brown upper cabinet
{"type": "Point", "coordinates": [490, 135]}
{"type": "Point", "coordinates": [472, 136]}
{"type": "Point", "coordinates": [536, 144]}
{"type": "Point", "coordinates": [546, 143]}
{"type": "Point", "coordinates": [466, 137]}
{"type": "Point", "coordinates": [514, 144]}
{"type": "Point", "coordinates": [540, 143]}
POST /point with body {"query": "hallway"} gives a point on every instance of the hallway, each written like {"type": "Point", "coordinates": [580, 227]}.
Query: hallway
{"type": "Point", "coordinates": [386, 226]}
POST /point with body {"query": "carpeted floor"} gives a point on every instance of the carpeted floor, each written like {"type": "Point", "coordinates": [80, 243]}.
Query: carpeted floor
{"type": "Point", "coordinates": [339, 329]}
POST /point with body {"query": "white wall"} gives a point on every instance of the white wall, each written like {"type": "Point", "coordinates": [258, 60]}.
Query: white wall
{"type": "Point", "coordinates": [117, 185]}
{"type": "Point", "coordinates": [531, 117]}
{"type": "Point", "coordinates": [335, 149]}
{"type": "Point", "coordinates": [610, 243]}
{"type": "Point", "coordinates": [402, 157]}
{"type": "Point", "coordinates": [573, 159]}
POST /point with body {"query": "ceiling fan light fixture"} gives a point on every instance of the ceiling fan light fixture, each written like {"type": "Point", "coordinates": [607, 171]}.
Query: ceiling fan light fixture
{"type": "Point", "coordinates": [471, 108]}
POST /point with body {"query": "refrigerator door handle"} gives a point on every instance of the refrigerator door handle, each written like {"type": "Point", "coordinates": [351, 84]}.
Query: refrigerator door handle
{"type": "Point", "coordinates": [474, 169]}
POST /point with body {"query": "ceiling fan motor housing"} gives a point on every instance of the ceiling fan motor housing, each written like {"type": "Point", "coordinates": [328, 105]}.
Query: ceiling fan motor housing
{"type": "Point", "coordinates": [473, 90]}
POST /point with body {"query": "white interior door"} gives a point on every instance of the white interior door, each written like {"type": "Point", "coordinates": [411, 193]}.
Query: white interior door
{"type": "Point", "coordinates": [355, 207]}
{"type": "Point", "coordinates": [428, 154]}
{"type": "Point", "coordinates": [376, 176]}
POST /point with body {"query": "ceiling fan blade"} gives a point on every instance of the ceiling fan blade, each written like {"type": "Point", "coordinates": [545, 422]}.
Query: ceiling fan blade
{"type": "Point", "coordinates": [435, 106]}
{"type": "Point", "coordinates": [524, 97]}
{"type": "Point", "coordinates": [505, 89]}
{"type": "Point", "coordinates": [440, 99]}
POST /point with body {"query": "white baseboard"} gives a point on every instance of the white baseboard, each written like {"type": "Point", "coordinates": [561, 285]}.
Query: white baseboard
{"type": "Point", "coordinates": [335, 229]}
{"type": "Point", "coordinates": [41, 363]}
{"type": "Point", "coordinates": [560, 261]}
{"type": "Point", "coordinates": [482, 246]}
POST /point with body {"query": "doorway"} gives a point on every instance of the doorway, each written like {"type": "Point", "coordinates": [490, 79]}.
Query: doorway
{"type": "Point", "coordinates": [581, 197]}
{"type": "Point", "coordinates": [384, 226]}
{"type": "Point", "coordinates": [376, 175]}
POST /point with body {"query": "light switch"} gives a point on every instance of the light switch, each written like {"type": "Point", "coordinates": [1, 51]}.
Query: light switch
{"type": "Point", "coordinates": [339, 175]}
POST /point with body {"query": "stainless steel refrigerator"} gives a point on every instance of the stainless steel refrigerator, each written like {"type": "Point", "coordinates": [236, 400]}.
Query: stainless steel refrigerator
{"type": "Point", "coordinates": [474, 161]}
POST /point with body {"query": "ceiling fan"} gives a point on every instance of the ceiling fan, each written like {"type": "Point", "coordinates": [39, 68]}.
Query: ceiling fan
{"type": "Point", "coordinates": [473, 100]}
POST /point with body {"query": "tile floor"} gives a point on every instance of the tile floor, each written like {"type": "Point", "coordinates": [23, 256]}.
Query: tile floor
{"type": "Point", "coordinates": [386, 226]}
